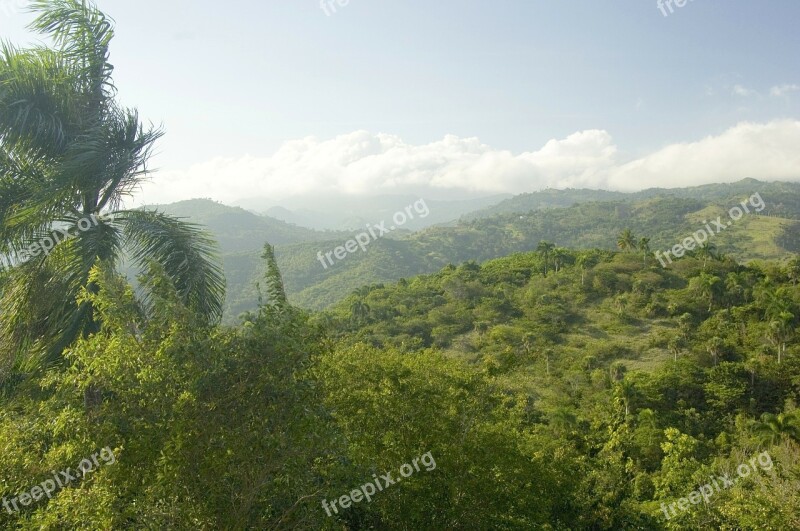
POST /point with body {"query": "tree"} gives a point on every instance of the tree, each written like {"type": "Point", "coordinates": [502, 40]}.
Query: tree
{"type": "Point", "coordinates": [776, 301]}
{"type": "Point", "coordinates": [275, 289]}
{"type": "Point", "coordinates": [676, 345]}
{"type": "Point", "coordinates": [714, 346]}
{"type": "Point", "coordinates": [544, 248]}
{"type": "Point", "coordinates": [617, 371]}
{"type": "Point", "coordinates": [547, 353]}
{"type": "Point", "coordinates": [528, 342]}
{"type": "Point", "coordinates": [706, 286]}
{"type": "Point", "coordinates": [359, 312]}
{"type": "Point", "coordinates": [624, 392]}
{"type": "Point", "coordinates": [735, 285]}
{"type": "Point", "coordinates": [585, 261]}
{"type": "Point", "coordinates": [424, 401]}
{"type": "Point", "coordinates": [706, 251]}
{"type": "Point", "coordinates": [793, 270]}
{"type": "Point", "coordinates": [772, 429]}
{"type": "Point", "coordinates": [644, 246]}
{"type": "Point", "coordinates": [559, 256]}
{"type": "Point", "coordinates": [626, 241]}
{"type": "Point", "coordinates": [780, 331]}
{"type": "Point", "coordinates": [69, 154]}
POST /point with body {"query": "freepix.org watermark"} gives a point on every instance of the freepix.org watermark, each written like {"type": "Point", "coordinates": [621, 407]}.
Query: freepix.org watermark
{"type": "Point", "coordinates": [363, 239]}
{"type": "Point", "coordinates": [701, 236]}
{"type": "Point", "coordinates": [60, 480]}
{"type": "Point", "coordinates": [46, 245]}
{"type": "Point", "coordinates": [367, 490]}
{"type": "Point", "coordinates": [663, 5]}
{"type": "Point", "coordinates": [719, 483]}
{"type": "Point", "coordinates": [329, 6]}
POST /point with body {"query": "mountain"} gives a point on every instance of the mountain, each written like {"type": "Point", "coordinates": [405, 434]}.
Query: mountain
{"type": "Point", "coordinates": [546, 199]}
{"type": "Point", "coordinates": [340, 212]}
{"type": "Point", "coordinates": [665, 220]}
{"type": "Point", "coordinates": [237, 229]}
{"type": "Point", "coordinates": [665, 216]}
{"type": "Point", "coordinates": [785, 197]}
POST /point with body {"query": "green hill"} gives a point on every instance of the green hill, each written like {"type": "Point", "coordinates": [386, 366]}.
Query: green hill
{"type": "Point", "coordinates": [664, 216]}
{"type": "Point", "coordinates": [237, 229]}
{"type": "Point", "coordinates": [783, 199]}
{"type": "Point", "coordinates": [666, 220]}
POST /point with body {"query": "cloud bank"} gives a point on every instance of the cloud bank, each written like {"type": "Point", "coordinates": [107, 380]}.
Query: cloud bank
{"type": "Point", "coordinates": [364, 163]}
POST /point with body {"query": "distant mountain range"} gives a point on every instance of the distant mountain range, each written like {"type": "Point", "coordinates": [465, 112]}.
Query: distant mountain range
{"type": "Point", "coordinates": [725, 192]}
{"type": "Point", "coordinates": [569, 218]}
{"type": "Point", "coordinates": [353, 213]}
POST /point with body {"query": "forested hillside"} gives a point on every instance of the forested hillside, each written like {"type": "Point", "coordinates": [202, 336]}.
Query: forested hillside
{"type": "Point", "coordinates": [569, 218]}
{"type": "Point", "coordinates": [237, 230]}
{"type": "Point", "coordinates": [601, 394]}
{"type": "Point", "coordinates": [665, 220]}
{"type": "Point", "coordinates": [628, 363]}
{"type": "Point", "coordinates": [343, 212]}
{"type": "Point", "coordinates": [664, 217]}
{"type": "Point", "coordinates": [786, 196]}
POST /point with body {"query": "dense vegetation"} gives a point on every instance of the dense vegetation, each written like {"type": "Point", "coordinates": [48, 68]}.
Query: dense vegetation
{"type": "Point", "coordinates": [665, 218]}
{"type": "Point", "coordinates": [578, 400]}
{"type": "Point", "coordinates": [555, 388]}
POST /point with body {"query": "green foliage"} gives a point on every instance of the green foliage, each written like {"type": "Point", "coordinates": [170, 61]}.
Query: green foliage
{"type": "Point", "coordinates": [553, 388]}
{"type": "Point", "coordinates": [69, 154]}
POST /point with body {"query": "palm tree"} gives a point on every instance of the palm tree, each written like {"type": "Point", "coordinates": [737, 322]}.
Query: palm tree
{"type": "Point", "coordinates": [772, 429]}
{"type": "Point", "coordinates": [780, 331]}
{"type": "Point", "coordinates": [776, 301]}
{"type": "Point", "coordinates": [624, 393]}
{"type": "Point", "coordinates": [707, 287]}
{"type": "Point", "coordinates": [585, 261]}
{"type": "Point", "coordinates": [359, 312]}
{"type": "Point", "coordinates": [544, 248]}
{"type": "Point", "coordinates": [559, 257]}
{"type": "Point", "coordinates": [735, 285]}
{"type": "Point", "coordinates": [644, 246]}
{"type": "Point", "coordinates": [69, 151]}
{"type": "Point", "coordinates": [626, 241]}
{"type": "Point", "coordinates": [676, 344]}
{"type": "Point", "coordinates": [706, 251]}
{"type": "Point", "coordinates": [714, 346]}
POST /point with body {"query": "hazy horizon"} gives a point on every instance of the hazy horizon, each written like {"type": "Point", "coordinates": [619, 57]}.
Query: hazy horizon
{"type": "Point", "coordinates": [455, 99]}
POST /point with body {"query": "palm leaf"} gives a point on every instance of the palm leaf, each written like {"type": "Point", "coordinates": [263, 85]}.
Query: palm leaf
{"type": "Point", "coordinates": [40, 314]}
{"type": "Point", "coordinates": [82, 33]}
{"type": "Point", "coordinates": [185, 252]}
{"type": "Point", "coordinates": [38, 100]}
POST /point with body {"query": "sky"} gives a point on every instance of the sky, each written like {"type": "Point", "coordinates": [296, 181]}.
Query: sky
{"type": "Point", "coordinates": [280, 98]}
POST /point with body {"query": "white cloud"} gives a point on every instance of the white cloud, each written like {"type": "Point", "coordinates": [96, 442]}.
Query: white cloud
{"type": "Point", "coordinates": [762, 151]}
{"type": "Point", "coordinates": [362, 163]}
{"type": "Point", "coordinates": [783, 90]}
{"type": "Point", "coordinates": [739, 90]}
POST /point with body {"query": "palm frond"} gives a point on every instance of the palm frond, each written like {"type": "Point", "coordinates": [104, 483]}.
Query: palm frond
{"type": "Point", "coordinates": [38, 101]}
{"type": "Point", "coordinates": [40, 315]}
{"type": "Point", "coordinates": [83, 33]}
{"type": "Point", "coordinates": [129, 148]}
{"type": "Point", "coordinates": [185, 252]}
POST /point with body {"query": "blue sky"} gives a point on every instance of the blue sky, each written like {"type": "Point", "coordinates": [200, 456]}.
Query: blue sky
{"type": "Point", "coordinates": [258, 90]}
